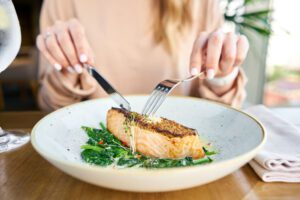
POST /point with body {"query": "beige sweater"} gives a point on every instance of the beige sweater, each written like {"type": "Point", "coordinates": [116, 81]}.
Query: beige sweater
{"type": "Point", "coordinates": [120, 35]}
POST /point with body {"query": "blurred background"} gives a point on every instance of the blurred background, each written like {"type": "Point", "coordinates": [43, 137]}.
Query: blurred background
{"type": "Point", "coordinates": [272, 66]}
{"type": "Point", "coordinates": [18, 83]}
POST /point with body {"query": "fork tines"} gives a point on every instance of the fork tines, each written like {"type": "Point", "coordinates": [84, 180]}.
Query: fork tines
{"type": "Point", "coordinates": [158, 96]}
{"type": "Point", "coordinates": [161, 91]}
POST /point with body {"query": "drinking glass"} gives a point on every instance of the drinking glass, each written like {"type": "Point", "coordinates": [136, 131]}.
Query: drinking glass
{"type": "Point", "coordinates": [10, 41]}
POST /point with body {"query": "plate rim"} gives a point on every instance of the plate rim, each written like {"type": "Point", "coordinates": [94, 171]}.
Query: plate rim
{"type": "Point", "coordinates": [153, 171]}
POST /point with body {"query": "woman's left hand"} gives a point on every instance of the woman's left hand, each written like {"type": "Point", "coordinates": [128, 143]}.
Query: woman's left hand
{"type": "Point", "coordinates": [217, 54]}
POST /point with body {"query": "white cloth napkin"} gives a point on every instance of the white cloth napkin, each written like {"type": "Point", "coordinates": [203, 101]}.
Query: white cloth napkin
{"type": "Point", "coordinates": [279, 160]}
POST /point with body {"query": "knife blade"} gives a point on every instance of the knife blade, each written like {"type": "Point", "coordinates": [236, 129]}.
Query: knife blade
{"type": "Point", "coordinates": [108, 88]}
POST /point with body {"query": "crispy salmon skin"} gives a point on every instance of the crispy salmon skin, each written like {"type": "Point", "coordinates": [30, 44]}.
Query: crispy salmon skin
{"type": "Point", "coordinates": [155, 137]}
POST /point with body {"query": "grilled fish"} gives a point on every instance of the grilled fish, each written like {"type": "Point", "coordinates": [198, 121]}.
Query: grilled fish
{"type": "Point", "coordinates": [155, 137]}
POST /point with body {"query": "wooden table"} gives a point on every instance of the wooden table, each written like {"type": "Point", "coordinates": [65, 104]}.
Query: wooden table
{"type": "Point", "coordinates": [24, 174]}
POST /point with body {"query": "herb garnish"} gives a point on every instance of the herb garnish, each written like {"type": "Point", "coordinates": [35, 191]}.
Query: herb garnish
{"type": "Point", "coordinates": [127, 125]}
{"type": "Point", "coordinates": [104, 149]}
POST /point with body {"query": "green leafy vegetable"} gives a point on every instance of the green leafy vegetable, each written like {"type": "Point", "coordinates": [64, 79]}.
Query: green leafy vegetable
{"type": "Point", "coordinates": [208, 153]}
{"type": "Point", "coordinates": [95, 157]}
{"type": "Point", "coordinates": [104, 149]}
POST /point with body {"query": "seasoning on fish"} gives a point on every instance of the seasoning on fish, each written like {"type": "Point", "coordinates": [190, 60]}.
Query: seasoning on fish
{"type": "Point", "coordinates": [153, 136]}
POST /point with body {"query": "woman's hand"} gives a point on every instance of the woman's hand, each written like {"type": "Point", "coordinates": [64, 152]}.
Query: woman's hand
{"type": "Point", "coordinates": [65, 46]}
{"type": "Point", "coordinates": [217, 54]}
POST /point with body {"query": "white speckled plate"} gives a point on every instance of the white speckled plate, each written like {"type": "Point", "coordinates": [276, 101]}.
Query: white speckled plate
{"type": "Point", "coordinates": [238, 137]}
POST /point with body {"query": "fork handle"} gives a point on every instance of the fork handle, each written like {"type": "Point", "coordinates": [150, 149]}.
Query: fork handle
{"type": "Point", "coordinates": [192, 77]}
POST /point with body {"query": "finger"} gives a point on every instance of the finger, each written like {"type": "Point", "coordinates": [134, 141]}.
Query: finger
{"type": "Point", "coordinates": [196, 58]}
{"type": "Point", "coordinates": [54, 49]}
{"type": "Point", "coordinates": [91, 58]}
{"type": "Point", "coordinates": [82, 46]}
{"type": "Point", "coordinates": [67, 45]}
{"type": "Point", "coordinates": [242, 50]}
{"type": "Point", "coordinates": [214, 48]}
{"type": "Point", "coordinates": [40, 43]}
{"type": "Point", "coordinates": [228, 53]}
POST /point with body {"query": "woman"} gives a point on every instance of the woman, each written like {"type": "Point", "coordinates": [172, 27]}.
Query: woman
{"type": "Point", "coordinates": [136, 44]}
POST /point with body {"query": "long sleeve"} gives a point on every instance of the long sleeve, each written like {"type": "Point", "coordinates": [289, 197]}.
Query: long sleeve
{"type": "Point", "coordinates": [119, 32]}
{"type": "Point", "coordinates": [236, 95]}
{"type": "Point", "coordinates": [58, 89]}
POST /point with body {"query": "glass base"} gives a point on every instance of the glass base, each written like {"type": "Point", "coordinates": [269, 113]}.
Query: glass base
{"type": "Point", "coordinates": [13, 139]}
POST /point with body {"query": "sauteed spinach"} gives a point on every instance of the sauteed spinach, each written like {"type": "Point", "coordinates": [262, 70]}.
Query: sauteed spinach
{"type": "Point", "coordinates": [104, 149]}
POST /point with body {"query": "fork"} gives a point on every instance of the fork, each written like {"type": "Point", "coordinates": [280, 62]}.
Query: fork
{"type": "Point", "coordinates": [160, 93]}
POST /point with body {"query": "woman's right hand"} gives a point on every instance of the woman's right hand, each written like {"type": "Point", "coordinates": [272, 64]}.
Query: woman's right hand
{"type": "Point", "coordinates": [65, 46]}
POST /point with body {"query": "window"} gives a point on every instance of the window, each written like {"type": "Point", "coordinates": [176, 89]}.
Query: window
{"type": "Point", "coordinates": [283, 60]}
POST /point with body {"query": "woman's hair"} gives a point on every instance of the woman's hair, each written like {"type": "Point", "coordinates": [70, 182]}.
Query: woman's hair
{"type": "Point", "coordinates": [172, 21]}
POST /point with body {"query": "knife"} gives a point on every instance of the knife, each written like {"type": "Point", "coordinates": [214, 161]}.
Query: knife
{"type": "Point", "coordinates": [114, 94]}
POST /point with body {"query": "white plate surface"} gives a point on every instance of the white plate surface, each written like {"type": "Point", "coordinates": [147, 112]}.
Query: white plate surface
{"type": "Point", "coordinates": [236, 135]}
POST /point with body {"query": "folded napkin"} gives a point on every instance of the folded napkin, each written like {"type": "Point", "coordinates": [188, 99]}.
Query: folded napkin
{"type": "Point", "coordinates": [279, 160]}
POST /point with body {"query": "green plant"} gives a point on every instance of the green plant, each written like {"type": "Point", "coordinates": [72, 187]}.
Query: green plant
{"type": "Point", "coordinates": [281, 72]}
{"type": "Point", "coordinates": [255, 20]}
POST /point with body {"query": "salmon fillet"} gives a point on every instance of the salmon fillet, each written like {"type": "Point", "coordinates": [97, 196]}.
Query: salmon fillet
{"type": "Point", "coordinates": [159, 137]}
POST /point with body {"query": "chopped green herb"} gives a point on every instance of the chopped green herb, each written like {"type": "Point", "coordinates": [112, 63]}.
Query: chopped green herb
{"type": "Point", "coordinates": [208, 153]}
